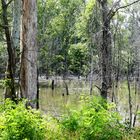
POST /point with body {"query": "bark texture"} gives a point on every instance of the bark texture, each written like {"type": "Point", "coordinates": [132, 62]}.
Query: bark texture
{"type": "Point", "coordinates": [9, 75]}
{"type": "Point", "coordinates": [106, 50]}
{"type": "Point", "coordinates": [28, 74]}
{"type": "Point", "coordinates": [16, 35]}
{"type": "Point", "coordinates": [16, 23]}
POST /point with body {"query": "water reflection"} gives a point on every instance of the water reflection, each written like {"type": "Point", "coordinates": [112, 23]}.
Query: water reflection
{"type": "Point", "coordinates": [56, 102]}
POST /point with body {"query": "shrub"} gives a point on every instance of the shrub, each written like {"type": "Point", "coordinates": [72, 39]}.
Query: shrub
{"type": "Point", "coordinates": [54, 131]}
{"type": "Point", "coordinates": [18, 123]}
{"type": "Point", "coordinates": [96, 120]}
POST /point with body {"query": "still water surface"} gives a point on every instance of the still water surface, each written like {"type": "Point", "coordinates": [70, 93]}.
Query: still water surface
{"type": "Point", "coordinates": [56, 102]}
{"type": "Point", "coordinates": [53, 101]}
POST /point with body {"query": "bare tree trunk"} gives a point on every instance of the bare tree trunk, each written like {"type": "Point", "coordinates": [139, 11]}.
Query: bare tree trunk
{"type": "Point", "coordinates": [37, 98]}
{"type": "Point", "coordinates": [106, 51]}
{"type": "Point", "coordinates": [130, 98]}
{"type": "Point", "coordinates": [91, 73]}
{"type": "Point", "coordinates": [66, 87]}
{"type": "Point", "coordinates": [52, 84]}
{"type": "Point", "coordinates": [16, 35]}
{"type": "Point", "coordinates": [16, 23]}
{"type": "Point", "coordinates": [28, 73]}
{"type": "Point", "coordinates": [10, 90]}
{"type": "Point", "coordinates": [135, 116]}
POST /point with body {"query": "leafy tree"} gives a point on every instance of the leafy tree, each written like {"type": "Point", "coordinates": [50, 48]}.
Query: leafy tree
{"type": "Point", "coordinates": [78, 57]}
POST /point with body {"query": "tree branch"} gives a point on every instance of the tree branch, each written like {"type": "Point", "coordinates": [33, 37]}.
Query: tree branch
{"type": "Point", "coordinates": [112, 13]}
{"type": "Point", "coordinates": [8, 3]}
{"type": "Point", "coordinates": [127, 5]}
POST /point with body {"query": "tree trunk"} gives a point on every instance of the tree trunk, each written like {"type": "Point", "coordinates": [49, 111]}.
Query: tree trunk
{"type": "Point", "coordinates": [28, 73]}
{"type": "Point", "coordinates": [10, 90]}
{"type": "Point", "coordinates": [16, 35]}
{"type": "Point", "coordinates": [129, 95]}
{"type": "Point", "coordinates": [91, 73]}
{"type": "Point", "coordinates": [16, 23]}
{"type": "Point", "coordinates": [106, 51]}
{"type": "Point", "coordinates": [37, 104]}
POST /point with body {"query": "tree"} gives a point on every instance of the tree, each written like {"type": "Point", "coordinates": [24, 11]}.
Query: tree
{"type": "Point", "coordinates": [106, 49]}
{"type": "Point", "coordinates": [28, 73]}
{"type": "Point", "coordinates": [15, 36]}
{"type": "Point", "coordinates": [79, 57]}
{"type": "Point", "coordinates": [56, 33]}
{"type": "Point", "coordinates": [10, 90]}
{"type": "Point", "coordinates": [16, 23]}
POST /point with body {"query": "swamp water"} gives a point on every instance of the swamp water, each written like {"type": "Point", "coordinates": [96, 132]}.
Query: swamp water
{"type": "Point", "coordinates": [56, 102]}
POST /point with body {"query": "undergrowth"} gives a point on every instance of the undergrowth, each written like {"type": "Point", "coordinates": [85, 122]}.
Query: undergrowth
{"type": "Point", "coordinates": [94, 120]}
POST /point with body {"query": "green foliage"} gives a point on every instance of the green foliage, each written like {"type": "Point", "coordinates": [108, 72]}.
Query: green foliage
{"type": "Point", "coordinates": [87, 22]}
{"type": "Point", "coordinates": [136, 133]}
{"type": "Point", "coordinates": [96, 120]}
{"type": "Point", "coordinates": [18, 123]}
{"type": "Point", "coordinates": [3, 58]}
{"type": "Point", "coordinates": [78, 57]}
{"type": "Point", "coordinates": [54, 131]}
{"type": "Point", "coordinates": [57, 64]}
{"type": "Point", "coordinates": [56, 27]}
{"type": "Point", "coordinates": [6, 82]}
